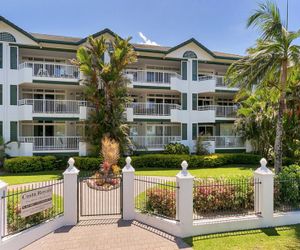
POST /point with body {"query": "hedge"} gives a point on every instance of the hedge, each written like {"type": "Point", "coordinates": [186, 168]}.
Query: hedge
{"type": "Point", "coordinates": [39, 163]}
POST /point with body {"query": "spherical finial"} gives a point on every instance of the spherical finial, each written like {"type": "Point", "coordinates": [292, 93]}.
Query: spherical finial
{"type": "Point", "coordinates": [128, 160]}
{"type": "Point", "coordinates": [71, 162]}
{"type": "Point", "coordinates": [263, 162]}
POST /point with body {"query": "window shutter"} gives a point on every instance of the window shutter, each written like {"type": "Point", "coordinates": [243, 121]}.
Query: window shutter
{"type": "Point", "coordinates": [13, 94]}
{"type": "Point", "coordinates": [184, 70]}
{"type": "Point", "coordinates": [184, 131]}
{"type": "Point", "coordinates": [184, 101]}
{"type": "Point", "coordinates": [194, 70]}
{"type": "Point", "coordinates": [1, 55]}
{"type": "Point", "coordinates": [1, 128]}
{"type": "Point", "coordinates": [195, 101]}
{"type": "Point", "coordinates": [1, 94]}
{"type": "Point", "coordinates": [194, 135]}
{"type": "Point", "coordinates": [14, 131]}
{"type": "Point", "coordinates": [13, 57]}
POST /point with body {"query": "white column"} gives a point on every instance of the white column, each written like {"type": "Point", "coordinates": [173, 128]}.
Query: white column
{"type": "Point", "coordinates": [184, 200]}
{"type": "Point", "coordinates": [128, 190]}
{"type": "Point", "coordinates": [264, 192]}
{"type": "Point", "coordinates": [3, 208]}
{"type": "Point", "coordinates": [70, 193]}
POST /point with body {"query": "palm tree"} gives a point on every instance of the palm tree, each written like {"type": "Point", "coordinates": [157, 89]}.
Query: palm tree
{"type": "Point", "coordinates": [269, 63]}
{"type": "Point", "coordinates": [106, 87]}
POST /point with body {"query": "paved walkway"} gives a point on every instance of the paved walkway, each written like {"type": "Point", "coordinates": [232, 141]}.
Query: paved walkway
{"type": "Point", "coordinates": [108, 234]}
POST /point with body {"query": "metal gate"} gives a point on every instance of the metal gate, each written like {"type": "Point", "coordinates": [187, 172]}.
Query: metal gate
{"type": "Point", "coordinates": [99, 201]}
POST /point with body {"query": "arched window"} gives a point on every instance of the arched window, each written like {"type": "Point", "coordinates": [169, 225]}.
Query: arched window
{"type": "Point", "coordinates": [7, 37]}
{"type": "Point", "coordinates": [189, 54]}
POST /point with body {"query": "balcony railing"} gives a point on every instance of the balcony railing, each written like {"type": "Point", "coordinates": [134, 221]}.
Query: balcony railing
{"type": "Point", "coordinates": [52, 70]}
{"type": "Point", "coordinates": [153, 109]}
{"type": "Point", "coordinates": [53, 106]}
{"type": "Point", "coordinates": [219, 80]}
{"type": "Point", "coordinates": [221, 111]}
{"type": "Point", "coordinates": [51, 143]}
{"type": "Point", "coordinates": [152, 76]}
{"type": "Point", "coordinates": [226, 141]}
{"type": "Point", "coordinates": [153, 142]}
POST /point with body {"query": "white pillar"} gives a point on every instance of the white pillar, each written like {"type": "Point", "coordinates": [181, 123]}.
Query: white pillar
{"type": "Point", "coordinates": [70, 193]}
{"type": "Point", "coordinates": [128, 191]}
{"type": "Point", "coordinates": [184, 200]}
{"type": "Point", "coordinates": [3, 208]}
{"type": "Point", "coordinates": [264, 192]}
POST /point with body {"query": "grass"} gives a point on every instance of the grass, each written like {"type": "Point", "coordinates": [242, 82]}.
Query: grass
{"type": "Point", "coordinates": [226, 171]}
{"type": "Point", "coordinates": [21, 178]}
{"type": "Point", "coordinates": [287, 237]}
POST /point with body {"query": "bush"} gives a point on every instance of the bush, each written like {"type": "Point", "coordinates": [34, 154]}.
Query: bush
{"type": "Point", "coordinates": [194, 161]}
{"type": "Point", "coordinates": [176, 148]}
{"type": "Point", "coordinates": [221, 196]}
{"type": "Point", "coordinates": [287, 188]}
{"type": "Point", "coordinates": [200, 147]}
{"type": "Point", "coordinates": [88, 163]}
{"type": "Point", "coordinates": [30, 164]}
{"type": "Point", "coordinates": [161, 202]}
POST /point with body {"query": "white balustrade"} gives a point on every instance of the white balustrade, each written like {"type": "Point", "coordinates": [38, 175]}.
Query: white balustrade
{"type": "Point", "coordinates": [153, 109]}
{"type": "Point", "coordinates": [226, 141]}
{"type": "Point", "coordinates": [48, 143]}
{"type": "Point", "coordinates": [52, 70]}
{"type": "Point", "coordinates": [152, 76]}
{"type": "Point", "coordinates": [221, 111]}
{"type": "Point", "coordinates": [154, 142]}
{"type": "Point", "coordinates": [53, 106]}
{"type": "Point", "coordinates": [219, 80]}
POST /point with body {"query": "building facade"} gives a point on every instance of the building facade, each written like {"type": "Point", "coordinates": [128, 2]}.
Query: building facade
{"type": "Point", "coordinates": [178, 93]}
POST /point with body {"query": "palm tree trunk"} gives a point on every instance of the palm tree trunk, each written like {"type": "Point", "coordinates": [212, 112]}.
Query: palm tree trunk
{"type": "Point", "coordinates": [279, 125]}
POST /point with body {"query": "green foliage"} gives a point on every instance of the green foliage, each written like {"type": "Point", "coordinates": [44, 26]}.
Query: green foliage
{"type": "Point", "coordinates": [106, 87]}
{"type": "Point", "coordinates": [200, 147]}
{"type": "Point", "coordinates": [88, 163]}
{"type": "Point", "coordinates": [176, 148]}
{"type": "Point", "coordinates": [30, 164]}
{"type": "Point", "coordinates": [287, 188]}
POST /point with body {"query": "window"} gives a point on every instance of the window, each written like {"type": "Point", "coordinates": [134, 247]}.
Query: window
{"type": "Point", "coordinates": [1, 55]}
{"type": "Point", "coordinates": [194, 70]}
{"type": "Point", "coordinates": [1, 128]}
{"type": "Point", "coordinates": [13, 94]}
{"type": "Point", "coordinates": [184, 131]}
{"type": "Point", "coordinates": [194, 131]}
{"type": "Point", "coordinates": [205, 101]}
{"type": "Point", "coordinates": [206, 130]}
{"type": "Point", "coordinates": [184, 101]}
{"type": "Point", "coordinates": [6, 37]}
{"type": "Point", "coordinates": [189, 54]}
{"type": "Point", "coordinates": [14, 131]}
{"type": "Point", "coordinates": [13, 57]}
{"type": "Point", "coordinates": [184, 70]}
{"type": "Point", "coordinates": [194, 100]}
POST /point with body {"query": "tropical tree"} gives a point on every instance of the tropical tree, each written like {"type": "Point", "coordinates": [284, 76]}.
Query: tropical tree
{"type": "Point", "coordinates": [269, 63]}
{"type": "Point", "coordinates": [105, 87]}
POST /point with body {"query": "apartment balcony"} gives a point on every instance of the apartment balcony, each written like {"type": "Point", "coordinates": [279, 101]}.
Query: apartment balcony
{"type": "Point", "coordinates": [211, 113]}
{"type": "Point", "coordinates": [51, 72]}
{"type": "Point", "coordinates": [214, 143]}
{"type": "Point", "coordinates": [152, 78]}
{"type": "Point", "coordinates": [153, 111]}
{"type": "Point", "coordinates": [153, 143]}
{"type": "Point", "coordinates": [212, 83]}
{"type": "Point", "coordinates": [29, 108]}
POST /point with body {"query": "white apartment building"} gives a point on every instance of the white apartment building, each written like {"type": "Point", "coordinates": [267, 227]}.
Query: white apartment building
{"type": "Point", "coordinates": [179, 94]}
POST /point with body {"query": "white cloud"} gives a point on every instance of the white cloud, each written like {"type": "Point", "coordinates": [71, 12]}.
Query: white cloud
{"type": "Point", "coordinates": [146, 40]}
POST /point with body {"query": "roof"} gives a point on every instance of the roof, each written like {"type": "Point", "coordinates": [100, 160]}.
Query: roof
{"type": "Point", "coordinates": [45, 38]}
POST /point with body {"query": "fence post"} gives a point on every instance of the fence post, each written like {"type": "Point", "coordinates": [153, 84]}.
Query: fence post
{"type": "Point", "coordinates": [70, 193]}
{"type": "Point", "coordinates": [3, 208]}
{"type": "Point", "coordinates": [264, 192]}
{"type": "Point", "coordinates": [184, 200]}
{"type": "Point", "coordinates": [128, 190]}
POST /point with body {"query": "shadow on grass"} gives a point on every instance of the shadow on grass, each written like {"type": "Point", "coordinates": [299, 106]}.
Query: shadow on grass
{"type": "Point", "coordinates": [267, 231]}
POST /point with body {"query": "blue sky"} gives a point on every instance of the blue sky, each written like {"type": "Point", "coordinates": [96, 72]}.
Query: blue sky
{"type": "Point", "coordinates": [218, 24]}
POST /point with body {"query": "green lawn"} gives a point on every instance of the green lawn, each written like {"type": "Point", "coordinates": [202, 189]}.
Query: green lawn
{"type": "Point", "coordinates": [263, 239]}
{"type": "Point", "coordinates": [232, 170]}
{"type": "Point", "coordinates": [20, 178]}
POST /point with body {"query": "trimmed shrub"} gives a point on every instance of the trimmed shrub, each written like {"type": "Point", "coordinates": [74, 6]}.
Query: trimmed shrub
{"type": "Point", "coordinates": [161, 202]}
{"type": "Point", "coordinates": [87, 163]}
{"type": "Point", "coordinates": [30, 164]}
{"type": "Point", "coordinates": [176, 148]}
